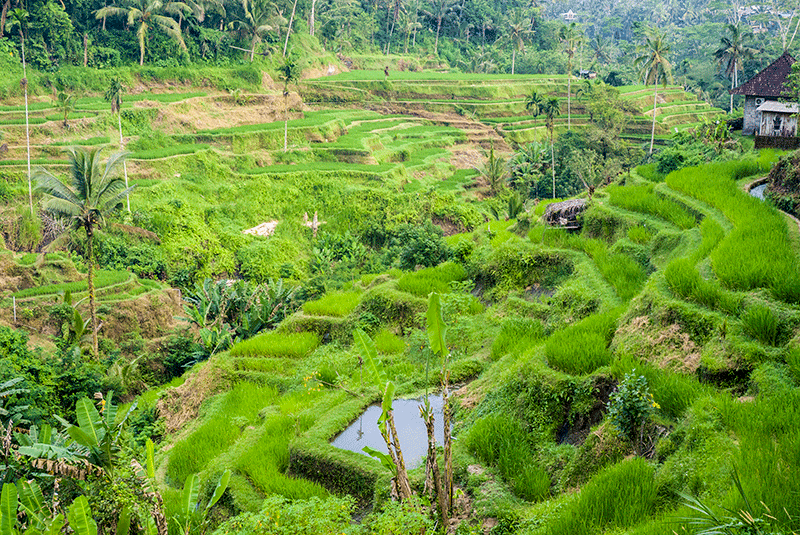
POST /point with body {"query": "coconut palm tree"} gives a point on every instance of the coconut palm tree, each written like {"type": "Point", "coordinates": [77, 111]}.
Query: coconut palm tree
{"type": "Point", "coordinates": [732, 53]}
{"type": "Point", "coordinates": [65, 101]}
{"type": "Point", "coordinates": [438, 11]}
{"type": "Point", "coordinates": [145, 14]}
{"type": "Point", "coordinates": [113, 95]}
{"type": "Point", "coordinates": [93, 193]}
{"type": "Point", "coordinates": [551, 108]}
{"type": "Point", "coordinates": [259, 18]}
{"type": "Point", "coordinates": [571, 37]}
{"type": "Point", "coordinates": [18, 18]}
{"type": "Point", "coordinates": [518, 32]}
{"type": "Point", "coordinates": [654, 67]}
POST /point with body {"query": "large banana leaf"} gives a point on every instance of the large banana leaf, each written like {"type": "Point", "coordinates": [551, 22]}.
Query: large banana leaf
{"type": "Point", "coordinates": [384, 458]}
{"type": "Point", "coordinates": [80, 517]}
{"type": "Point", "coordinates": [370, 354]}
{"type": "Point", "coordinates": [8, 509]}
{"type": "Point", "coordinates": [33, 503]}
{"type": "Point", "coordinates": [89, 421]}
{"type": "Point", "coordinates": [436, 326]}
{"type": "Point", "coordinates": [191, 490]}
{"type": "Point", "coordinates": [222, 484]}
{"type": "Point", "coordinates": [124, 521]}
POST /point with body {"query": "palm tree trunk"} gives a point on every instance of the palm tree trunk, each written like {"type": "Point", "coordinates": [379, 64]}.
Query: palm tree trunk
{"type": "Point", "coordinates": [90, 277]}
{"type": "Point", "coordinates": [141, 55]}
{"type": "Point", "coordinates": [124, 164]}
{"type": "Point", "coordinates": [569, 99]}
{"type": "Point", "coordinates": [27, 122]}
{"type": "Point", "coordinates": [285, 121]}
{"type": "Point", "coordinates": [513, 59]}
{"type": "Point", "coordinates": [553, 164]}
{"type": "Point", "coordinates": [733, 82]}
{"type": "Point", "coordinates": [438, 29]}
{"type": "Point", "coordinates": [289, 29]}
{"type": "Point", "coordinates": [653, 131]}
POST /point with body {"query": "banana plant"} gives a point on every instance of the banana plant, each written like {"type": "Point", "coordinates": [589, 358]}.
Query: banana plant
{"type": "Point", "coordinates": [443, 485]}
{"type": "Point", "coordinates": [386, 425]}
{"type": "Point", "coordinates": [191, 518]}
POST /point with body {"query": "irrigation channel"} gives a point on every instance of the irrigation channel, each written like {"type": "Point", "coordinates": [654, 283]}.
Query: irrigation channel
{"type": "Point", "coordinates": [410, 427]}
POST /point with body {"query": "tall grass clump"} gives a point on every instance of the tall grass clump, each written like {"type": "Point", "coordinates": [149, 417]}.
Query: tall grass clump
{"type": "Point", "coordinates": [502, 442]}
{"type": "Point", "coordinates": [338, 304]}
{"type": "Point", "coordinates": [103, 278]}
{"type": "Point", "coordinates": [758, 252]}
{"type": "Point", "coordinates": [769, 453]}
{"type": "Point", "coordinates": [639, 234]}
{"type": "Point", "coordinates": [516, 335]}
{"type": "Point", "coordinates": [684, 280]}
{"type": "Point", "coordinates": [643, 199]}
{"type": "Point", "coordinates": [648, 172]}
{"type": "Point", "coordinates": [582, 348]}
{"type": "Point", "coordinates": [219, 429]}
{"type": "Point", "coordinates": [621, 271]}
{"type": "Point", "coordinates": [761, 322]}
{"type": "Point", "coordinates": [389, 343]}
{"type": "Point", "coordinates": [712, 233]}
{"type": "Point", "coordinates": [265, 462]}
{"type": "Point", "coordinates": [277, 344]}
{"type": "Point", "coordinates": [619, 496]}
{"type": "Point", "coordinates": [432, 279]}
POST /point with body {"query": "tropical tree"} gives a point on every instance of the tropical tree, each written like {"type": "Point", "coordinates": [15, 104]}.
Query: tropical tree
{"type": "Point", "coordinates": [113, 96]}
{"type": "Point", "coordinates": [93, 193]}
{"type": "Point", "coordinates": [438, 11]}
{"type": "Point", "coordinates": [571, 37]}
{"type": "Point", "coordinates": [145, 14]}
{"type": "Point", "coordinates": [259, 18]}
{"type": "Point", "coordinates": [289, 73]}
{"type": "Point", "coordinates": [732, 52]}
{"type": "Point", "coordinates": [18, 18]}
{"type": "Point", "coordinates": [65, 101]}
{"type": "Point", "coordinates": [494, 171]}
{"type": "Point", "coordinates": [551, 108]}
{"type": "Point", "coordinates": [518, 32]}
{"type": "Point", "coordinates": [654, 67]}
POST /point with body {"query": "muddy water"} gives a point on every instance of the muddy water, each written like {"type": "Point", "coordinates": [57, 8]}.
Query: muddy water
{"type": "Point", "coordinates": [410, 427]}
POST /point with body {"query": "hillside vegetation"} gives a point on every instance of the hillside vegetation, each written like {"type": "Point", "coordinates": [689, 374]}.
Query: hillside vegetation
{"type": "Point", "coordinates": [638, 374]}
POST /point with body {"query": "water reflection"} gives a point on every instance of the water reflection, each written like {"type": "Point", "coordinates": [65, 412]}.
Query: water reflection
{"type": "Point", "coordinates": [410, 427]}
{"type": "Point", "coordinates": [758, 191]}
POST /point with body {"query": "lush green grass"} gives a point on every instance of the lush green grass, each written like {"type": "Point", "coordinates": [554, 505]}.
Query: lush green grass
{"type": "Point", "coordinates": [337, 304]}
{"type": "Point", "coordinates": [618, 497]}
{"type": "Point", "coordinates": [102, 279]}
{"type": "Point", "coordinates": [642, 198]}
{"type": "Point", "coordinates": [165, 152]}
{"type": "Point", "coordinates": [583, 347]}
{"type": "Point", "coordinates": [758, 252]}
{"type": "Point", "coordinates": [432, 279]}
{"type": "Point", "coordinates": [761, 322]}
{"type": "Point", "coordinates": [277, 344]}
{"type": "Point", "coordinates": [516, 335]}
{"type": "Point", "coordinates": [231, 412]}
{"type": "Point", "coordinates": [265, 462]}
{"type": "Point", "coordinates": [389, 343]}
{"type": "Point", "coordinates": [501, 441]}
{"type": "Point", "coordinates": [684, 280]}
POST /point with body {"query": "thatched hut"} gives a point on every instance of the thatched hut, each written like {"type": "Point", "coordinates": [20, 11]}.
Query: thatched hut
{"type": "Point", "coordinates": [565, 214]}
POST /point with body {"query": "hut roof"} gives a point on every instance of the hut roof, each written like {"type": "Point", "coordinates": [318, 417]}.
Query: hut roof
{"type": "Point", "coordinates": [771, 82]}
{"type": "Point", "coordinates": [562, 213]}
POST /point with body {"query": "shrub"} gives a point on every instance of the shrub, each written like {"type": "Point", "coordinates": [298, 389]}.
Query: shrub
{"type": "Point", "coordinates": [631, 405]}
{"type": "Point", "coordinates": [282, 516]}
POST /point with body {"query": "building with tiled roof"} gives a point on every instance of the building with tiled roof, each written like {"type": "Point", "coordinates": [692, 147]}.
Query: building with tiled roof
{"type": "Point", "coordinates": [767, 85]}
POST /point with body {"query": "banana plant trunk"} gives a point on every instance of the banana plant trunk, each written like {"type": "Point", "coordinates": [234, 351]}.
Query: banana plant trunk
{"type": "Point", "coordinates": [433, 476]}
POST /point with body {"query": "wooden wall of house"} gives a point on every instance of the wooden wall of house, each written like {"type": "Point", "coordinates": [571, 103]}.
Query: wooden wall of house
{"type": "Point", "coordinates": [777, 124]}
